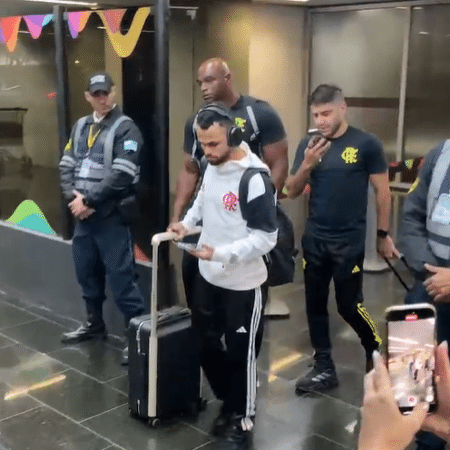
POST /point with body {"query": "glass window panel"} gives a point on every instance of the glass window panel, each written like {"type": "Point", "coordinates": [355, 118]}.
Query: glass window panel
{"type": "Point", "coordinates": [361, 51]}
{"type": "Point", "coordinates": [427, 113]}
{"type": "Point", "coordinates": [349, 50]}
{"type": "Point", "coordinates": [29, 152]}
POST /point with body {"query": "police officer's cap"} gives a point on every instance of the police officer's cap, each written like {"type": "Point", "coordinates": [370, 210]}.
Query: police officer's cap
{"type": "Point", "coordinates": [99, 81]}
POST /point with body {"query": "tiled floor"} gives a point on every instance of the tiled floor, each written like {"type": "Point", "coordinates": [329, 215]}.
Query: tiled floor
{"type": "Point", "coordinates": [57, 397]}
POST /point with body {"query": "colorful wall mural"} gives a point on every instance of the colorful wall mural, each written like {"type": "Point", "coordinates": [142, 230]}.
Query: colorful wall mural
{"type": "Point", "coordinates": [29, 215]}
{"type": "Point", "coordinates": [123, 44]}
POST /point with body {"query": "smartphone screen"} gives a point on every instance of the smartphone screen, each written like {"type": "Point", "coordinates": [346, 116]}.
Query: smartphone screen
{"type": "Point", "coordinates": [411, 345]}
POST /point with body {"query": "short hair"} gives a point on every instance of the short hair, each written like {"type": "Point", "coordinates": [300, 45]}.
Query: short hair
{"type": "Point", "coordinates": [326, 93]}
{"type": "Point", "coordinates": [214, 113]}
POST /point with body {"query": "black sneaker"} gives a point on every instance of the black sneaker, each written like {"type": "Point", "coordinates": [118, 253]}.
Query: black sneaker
{"type": "Point", "coordinates": [234, 437]}
{"type": "Point", "coordinates": [318, 380]}
{"type": "Point", "coordinates": [221, 422]}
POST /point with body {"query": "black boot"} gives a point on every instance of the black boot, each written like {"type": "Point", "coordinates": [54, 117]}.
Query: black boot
{"type": "Point", "coordinates": [94, 328]}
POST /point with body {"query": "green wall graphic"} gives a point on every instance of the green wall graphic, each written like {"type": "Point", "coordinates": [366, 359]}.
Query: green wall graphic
{"type": "Point", "coordinates": [28, 215]}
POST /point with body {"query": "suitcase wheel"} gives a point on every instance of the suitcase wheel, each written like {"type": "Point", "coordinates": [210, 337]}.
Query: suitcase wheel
{"type": "Point", "coordinates": [154, 423]}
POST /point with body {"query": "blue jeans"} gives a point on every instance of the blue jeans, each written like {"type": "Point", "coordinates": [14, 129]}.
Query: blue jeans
{"type": "Point", "coordinates": [418, 294]}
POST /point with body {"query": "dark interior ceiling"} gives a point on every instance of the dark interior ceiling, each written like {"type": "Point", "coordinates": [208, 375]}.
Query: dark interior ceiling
{"type": "Point", "coordinates": [23, 7]}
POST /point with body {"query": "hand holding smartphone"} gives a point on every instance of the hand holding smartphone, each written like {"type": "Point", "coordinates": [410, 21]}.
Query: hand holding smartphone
{"type": "Point", "coordinates": [316, 140]}
{"type": "Point", "coordinates": [411, 332]}
{"type": "Point", "coordinates": [186, 246]}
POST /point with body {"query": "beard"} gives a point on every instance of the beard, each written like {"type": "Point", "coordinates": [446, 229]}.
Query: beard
{"type": "Point", "coordinates": [217, 161]}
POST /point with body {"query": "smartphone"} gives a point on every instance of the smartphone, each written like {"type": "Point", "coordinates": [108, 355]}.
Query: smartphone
{"type": "Point", "coordinates": [189, 242]}
{"type": "Point", "coordinates": [186, 246]}
{"type": "Point", "coordinates": [315, 136]}
{"type": "Point", "coordinates": [411, 341]}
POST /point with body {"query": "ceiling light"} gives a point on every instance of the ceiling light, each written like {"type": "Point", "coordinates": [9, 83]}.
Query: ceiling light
{"type": "Point", "coordinates": [66, 2]}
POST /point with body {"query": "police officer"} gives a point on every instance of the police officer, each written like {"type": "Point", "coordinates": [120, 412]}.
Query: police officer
{"type": "Point", "coordinates": [262, 130]}
{"type": "Point", "coordinates": [99, 171]}
{"type": "Point", "coordinates": [338, 163]}
{"type": "Point", "coordinates": [425, 241]}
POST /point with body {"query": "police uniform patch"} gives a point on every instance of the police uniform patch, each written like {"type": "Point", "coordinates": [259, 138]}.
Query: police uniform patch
{"type": "Point", "coordinates": [130, 146]}
{"type": "Point", "coordinates": [68, 146]}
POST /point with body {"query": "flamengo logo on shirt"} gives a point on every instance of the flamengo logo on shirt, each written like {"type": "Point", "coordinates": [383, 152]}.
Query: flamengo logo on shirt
{"type": "Point", "coordinates": [230, 201]}
{"type": "Point", "coordinates": [349, 155]}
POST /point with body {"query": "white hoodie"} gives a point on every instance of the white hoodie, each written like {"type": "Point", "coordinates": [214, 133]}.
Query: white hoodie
{"type": "Point", "coordinates": [237, 262]}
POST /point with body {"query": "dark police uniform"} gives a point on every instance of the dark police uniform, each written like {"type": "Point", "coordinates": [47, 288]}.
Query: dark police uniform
{"type": "Point", "coordinates": [334, 238]}
{"type": "Point", "coordinates": [415, 245]}
{"type": "Point", "coordinates": [101, 161]}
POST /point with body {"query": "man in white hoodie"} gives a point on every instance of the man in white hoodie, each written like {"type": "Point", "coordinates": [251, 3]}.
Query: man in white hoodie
{"type": "Point", "coordinates": [228, 296]}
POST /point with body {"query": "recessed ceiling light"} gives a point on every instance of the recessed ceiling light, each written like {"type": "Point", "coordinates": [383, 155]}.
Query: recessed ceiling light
{"type": "Point", "coordinates": [66, 2]}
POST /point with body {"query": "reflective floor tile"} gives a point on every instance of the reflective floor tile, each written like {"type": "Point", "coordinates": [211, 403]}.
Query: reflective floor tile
{"type": "Point", "coordinates": [205, 418]}
{"type": "Point", "coordinates": [119, 383]}
{"type": "Point", "coordinates": [270, 434]}
{"type": "Point", "coordinates": [10, 406]}
{"type": "Point", "coordinates": [80, 397]}
{"type": "Point", "coordinates": [41, 335]}
{"type": "Point", "coordinates": [334, 419]}
{"type": "Point", "coordinates": [23, 368]}
{"type": "Point", "coordinates": [93, 358]}
{"type": "Point", "coordinates": [316, 442]}
{"type": "Point", "coordinates": [10, 316]}
{"type": "Point", "coordinates": [131, 433]}
{"type": "Point", "coordinates": [351, 387]}
{"type": "Point", "coordinates": [5, 342]}
{"type": "Point", "coordinates": [42, 428]}
{"type": "Point", "coordinates": [275, 357]}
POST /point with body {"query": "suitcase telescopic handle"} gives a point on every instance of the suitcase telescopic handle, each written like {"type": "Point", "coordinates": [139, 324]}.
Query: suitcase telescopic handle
{"type": "Point", "coordinates": [157, 239]}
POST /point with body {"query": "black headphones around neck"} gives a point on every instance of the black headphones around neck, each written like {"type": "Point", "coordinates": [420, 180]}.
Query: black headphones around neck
{"type": "Point", "coordinates": [235, 134]}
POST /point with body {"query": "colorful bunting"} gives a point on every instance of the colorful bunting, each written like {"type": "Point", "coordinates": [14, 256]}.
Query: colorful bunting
{"type": "Point", "coordinates": [123, 44]}
{"type": "Point", "coordinates": [35, 25]}
{"type": "Point", "coordinates": [114, 18]}
{"type": "Point", "coordinates": [10, 27]}
{"type": "Point", "coordinates": [77, 21]}
{"type": "Point", "coordinates": [47, 20]}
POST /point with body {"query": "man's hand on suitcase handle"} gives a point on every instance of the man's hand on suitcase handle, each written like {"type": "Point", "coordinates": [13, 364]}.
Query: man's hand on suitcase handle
{"type": "Point", "coordinates": [178, 229]}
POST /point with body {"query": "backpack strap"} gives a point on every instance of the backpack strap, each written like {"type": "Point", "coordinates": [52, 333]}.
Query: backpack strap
{"type": "Point", "coordinates": [244, 189]}
{"type": "Point", "coordinates": [252, 118]}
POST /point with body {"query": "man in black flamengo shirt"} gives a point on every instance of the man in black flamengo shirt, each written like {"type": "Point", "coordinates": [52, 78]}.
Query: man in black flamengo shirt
{"type": "Point", "coordinates": [338, 164]}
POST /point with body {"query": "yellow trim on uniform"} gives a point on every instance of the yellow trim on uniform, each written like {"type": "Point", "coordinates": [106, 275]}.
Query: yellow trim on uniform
{"type": "Point", "coordinates": [414, 185]}
{"type": "Point", "coordinates": [356, 269]}
{"type": "Point", "coordinates": [304, 263]}
{"type": "Point", "coordinates": [68, 146]}
{"type": "Point", "coordinates": [365, 315]}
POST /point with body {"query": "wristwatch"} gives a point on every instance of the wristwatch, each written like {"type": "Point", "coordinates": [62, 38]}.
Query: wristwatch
{"type": "Point", "coordinates": [382, 234]}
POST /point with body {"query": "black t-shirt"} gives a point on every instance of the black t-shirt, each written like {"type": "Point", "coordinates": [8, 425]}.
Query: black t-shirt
{"type": "Point", "coordinates": [339, 183]}
{"type": "Point", "coordinates": [268, 122]}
